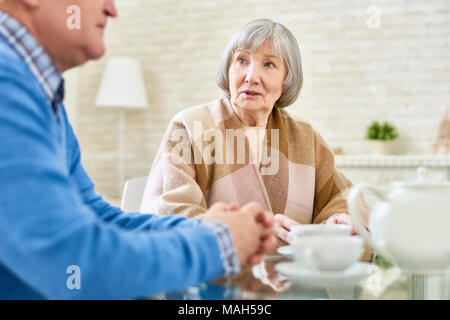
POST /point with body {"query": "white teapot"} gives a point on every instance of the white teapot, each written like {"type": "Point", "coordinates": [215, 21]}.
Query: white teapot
{"type": "Point", "coordinates": [410, 226]}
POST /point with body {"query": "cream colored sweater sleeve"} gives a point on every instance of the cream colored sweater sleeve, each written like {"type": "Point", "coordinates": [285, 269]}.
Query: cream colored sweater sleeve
{"type": "Point", "coordinates": [172, 187]}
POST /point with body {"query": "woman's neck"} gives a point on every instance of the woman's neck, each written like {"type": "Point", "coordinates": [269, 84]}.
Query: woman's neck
{"type": "Point", "coordinates": [254, 119]}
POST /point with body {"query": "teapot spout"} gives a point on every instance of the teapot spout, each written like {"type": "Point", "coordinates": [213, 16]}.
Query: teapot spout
{"type": "Point", "coordinates": [382, 251]}
{"type": "Point", "coordinates": [354, 210]}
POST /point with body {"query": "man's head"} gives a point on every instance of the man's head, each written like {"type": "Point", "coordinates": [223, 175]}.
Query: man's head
{"type": "Point", "coordinates": [70, 30]}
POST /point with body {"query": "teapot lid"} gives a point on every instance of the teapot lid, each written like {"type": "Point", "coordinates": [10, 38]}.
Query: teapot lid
{"type": "Point", "coordinates": [422, 181]}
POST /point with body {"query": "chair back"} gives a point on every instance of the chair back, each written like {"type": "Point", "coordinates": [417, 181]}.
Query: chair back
{"type": "Point", "coordinates": [133, 192]}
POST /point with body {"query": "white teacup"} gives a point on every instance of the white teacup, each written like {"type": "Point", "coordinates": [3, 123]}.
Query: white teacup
{"type": "Point", "coordinates": [318, 229]}
{"type": "Point", "coordinates": [327, 252]}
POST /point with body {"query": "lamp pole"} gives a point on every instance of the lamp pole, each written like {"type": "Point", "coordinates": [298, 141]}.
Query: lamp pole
{"type": "Point", "coordinates": [121, 144]}
{"type": "Point", "coordinates": [122, 86]}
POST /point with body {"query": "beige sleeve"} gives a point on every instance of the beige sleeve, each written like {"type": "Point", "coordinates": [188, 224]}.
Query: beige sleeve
{"type": "Point", "coordinates": [332, 186]}
{"type": "Point", "coordinates": [172, 187]}
{"type": "Point", "coordinates": [332, 189]}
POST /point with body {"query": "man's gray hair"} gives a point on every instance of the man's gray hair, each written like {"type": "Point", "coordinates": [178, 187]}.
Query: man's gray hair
{"type": "Point", "coordinates": [251, 36]}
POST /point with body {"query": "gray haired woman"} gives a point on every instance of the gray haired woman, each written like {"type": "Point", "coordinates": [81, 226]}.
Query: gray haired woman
{"type": "Point", "coordinates": [245, 147]}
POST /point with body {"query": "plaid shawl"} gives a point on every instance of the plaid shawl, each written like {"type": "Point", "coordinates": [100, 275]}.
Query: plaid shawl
{"type": "Point", "coordinates": [198, 164]}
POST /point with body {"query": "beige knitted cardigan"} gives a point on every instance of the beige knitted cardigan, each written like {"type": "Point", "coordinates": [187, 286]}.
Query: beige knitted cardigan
{"type": "Point", "coordinates": [193, 169]}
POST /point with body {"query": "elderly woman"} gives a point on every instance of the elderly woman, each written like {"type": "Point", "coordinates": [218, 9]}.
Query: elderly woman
{"type": "Point", "coordinates": [245, 147]}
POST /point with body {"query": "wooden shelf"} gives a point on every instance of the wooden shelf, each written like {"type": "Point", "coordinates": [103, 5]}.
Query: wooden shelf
{"type": "Point", "coordinates": [392, 161]}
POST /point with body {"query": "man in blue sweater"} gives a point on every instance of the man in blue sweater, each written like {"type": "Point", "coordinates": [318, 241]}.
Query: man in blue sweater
{"type": "Point", "coordinates": [59, 239]}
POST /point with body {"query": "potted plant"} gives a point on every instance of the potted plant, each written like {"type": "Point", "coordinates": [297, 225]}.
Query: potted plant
{"type": "Point", "coordinates": [381, 136]}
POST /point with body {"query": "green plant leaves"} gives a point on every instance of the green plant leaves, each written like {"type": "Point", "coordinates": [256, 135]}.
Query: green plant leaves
{"type": "Point", "coordinates": [382, 262]}
{"type": "Point", "coordinates": [384, 131]}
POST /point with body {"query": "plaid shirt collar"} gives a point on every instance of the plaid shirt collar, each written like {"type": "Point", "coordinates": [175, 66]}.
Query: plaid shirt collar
{"type": "Point", "coordinates": [35, 56]}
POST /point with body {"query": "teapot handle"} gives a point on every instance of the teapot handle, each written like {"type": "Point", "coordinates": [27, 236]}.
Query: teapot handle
{"type": "Point", "coordinates": [355, 215]}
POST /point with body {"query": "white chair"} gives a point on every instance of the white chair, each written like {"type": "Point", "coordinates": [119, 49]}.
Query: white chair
{"type": "Point", "coordinates": [133, 192]}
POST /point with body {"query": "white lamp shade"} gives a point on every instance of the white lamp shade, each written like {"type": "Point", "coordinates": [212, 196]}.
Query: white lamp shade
{"type": "Point", "coordinates": [122, 85]}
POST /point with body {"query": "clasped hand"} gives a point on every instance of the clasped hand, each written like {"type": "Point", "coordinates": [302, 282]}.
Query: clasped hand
{"type": "Point", "coordinates": [251, 228]}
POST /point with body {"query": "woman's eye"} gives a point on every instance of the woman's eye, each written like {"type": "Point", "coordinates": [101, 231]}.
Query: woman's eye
{"type": "Point", "coordinates": [269, 64]}
{"type": "Point", "coordinates": [241, 60]}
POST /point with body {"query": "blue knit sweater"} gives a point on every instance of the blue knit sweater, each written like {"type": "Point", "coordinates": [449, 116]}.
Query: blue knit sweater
{"type": "Point", "coordinates": [51, 218]}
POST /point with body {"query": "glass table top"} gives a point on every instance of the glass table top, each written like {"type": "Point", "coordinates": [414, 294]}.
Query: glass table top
{"type": "Point", "coordinates": [367, 281]}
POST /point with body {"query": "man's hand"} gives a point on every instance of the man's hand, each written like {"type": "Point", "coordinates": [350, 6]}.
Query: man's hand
{"type": "Point", "coordinates": [250, 226]}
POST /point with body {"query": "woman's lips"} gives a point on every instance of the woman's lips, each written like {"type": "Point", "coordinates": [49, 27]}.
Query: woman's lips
{"type": "Point", "coordinates": [251, 94]}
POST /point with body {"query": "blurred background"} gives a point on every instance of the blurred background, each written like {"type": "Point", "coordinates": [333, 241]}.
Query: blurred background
{"type": "Point", "coordinates": [363, 61]}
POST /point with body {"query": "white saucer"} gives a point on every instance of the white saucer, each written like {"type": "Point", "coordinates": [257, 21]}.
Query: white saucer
{"type": "Point", "coordinates": [350, 276]}
{"type": "Point", "coordinates": [285, 251]}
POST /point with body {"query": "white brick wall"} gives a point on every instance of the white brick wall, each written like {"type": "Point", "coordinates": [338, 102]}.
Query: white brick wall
{"type": "Point", "coordinates": [352, 74]}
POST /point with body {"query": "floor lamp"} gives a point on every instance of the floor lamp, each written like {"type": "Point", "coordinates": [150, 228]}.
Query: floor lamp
{"type": "Point", "coordinates": [122, 86]}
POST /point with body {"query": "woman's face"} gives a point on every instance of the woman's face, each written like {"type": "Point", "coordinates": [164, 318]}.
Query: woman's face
{"type": "Point", "coordinates": [256, 79]}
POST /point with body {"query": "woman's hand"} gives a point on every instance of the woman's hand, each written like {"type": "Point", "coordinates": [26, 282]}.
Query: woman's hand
{"type": "Point", "coordinates": [282, 227]}
{"type": "Point", "coordinates": [341, 218]}
{"type": "Point", "coordinates": [284, 224]}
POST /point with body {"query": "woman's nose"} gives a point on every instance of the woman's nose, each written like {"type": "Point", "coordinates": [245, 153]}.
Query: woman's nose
{"type": "Point", "coordinates": [252, 75]}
